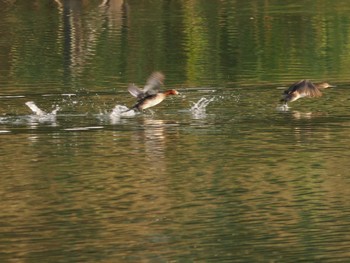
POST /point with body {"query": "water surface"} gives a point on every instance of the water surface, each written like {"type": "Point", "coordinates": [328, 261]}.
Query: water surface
{"type": "Point", "coordinates": [236, 181]}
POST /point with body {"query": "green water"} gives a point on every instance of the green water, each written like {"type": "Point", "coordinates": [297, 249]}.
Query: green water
{"type": "Point", "coordinates": [239, 181]}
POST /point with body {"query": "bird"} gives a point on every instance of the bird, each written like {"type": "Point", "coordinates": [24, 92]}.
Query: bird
{"type": "Point", "coordinates": [304, 88]}
{"type": "Point", "coordinates": [150, 95]}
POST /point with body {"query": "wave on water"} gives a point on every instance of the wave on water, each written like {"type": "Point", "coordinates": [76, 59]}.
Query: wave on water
{"type": "Point", "coordinates": [84, 128]}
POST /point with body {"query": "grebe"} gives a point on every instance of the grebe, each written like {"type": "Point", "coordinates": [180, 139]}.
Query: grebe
{"type": "Point", "coordinates": [304, 88]}
{"type": "Point", "coordinates": [149, 96]}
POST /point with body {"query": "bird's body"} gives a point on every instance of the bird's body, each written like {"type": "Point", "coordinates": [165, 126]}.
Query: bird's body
{"type": "Point", "coordinates": [153, 100]}
{"type": "Point", "coordinates": [304, 88]}
{"type": "Point", "coordinates": [150, 96]}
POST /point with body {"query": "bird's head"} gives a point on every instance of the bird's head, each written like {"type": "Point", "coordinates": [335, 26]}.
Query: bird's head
{"type": "Point", "coordinates": [171, 92]}
{"type": "Point", "coordinates": [325, 85]}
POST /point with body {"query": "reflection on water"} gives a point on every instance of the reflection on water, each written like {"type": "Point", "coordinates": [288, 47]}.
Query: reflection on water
{"type": "Point", "coordinates": [219, 175]}
{"type": "Point", "coordinates": [80, 33]}
{"type": "Point", "coordinates": [241, 182]}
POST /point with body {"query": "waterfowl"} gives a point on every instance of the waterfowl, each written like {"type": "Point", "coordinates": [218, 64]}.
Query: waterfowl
{"type": "Point", "coordinates": [150, 95]}
{"type": "Point", "coordinates": [304, 88]}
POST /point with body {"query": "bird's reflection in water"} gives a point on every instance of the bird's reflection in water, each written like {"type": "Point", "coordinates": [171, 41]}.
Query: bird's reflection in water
{"type": "Point", "coordinates": [154, 139]}
{"type": "Point", "coordinates": [298, 115]}
{"type": "Point", "coordinates": [309, 126]}
{"type": "Point", "coordinates": [307, 115]}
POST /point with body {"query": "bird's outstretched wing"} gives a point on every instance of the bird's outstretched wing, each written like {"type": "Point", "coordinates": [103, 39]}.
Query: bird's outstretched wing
{"type": "Point", "coordinates": [153, 83]}
{"type": "Point", "coordinates": [135, 91]}
{"type": "Point", "coordinates": [304, 87]}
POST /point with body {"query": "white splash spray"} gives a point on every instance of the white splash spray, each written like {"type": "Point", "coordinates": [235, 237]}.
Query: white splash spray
{"type": "Point", "coordinates": [283, 108]}
{"type": "Point", "coordinates": [122, 111]}
{"type": "Point", "coordinates": [41, 115]}
{"type": "Point", "coordinates": [39, 112]}
{"type": "Point", "coordinates": [198, 109]}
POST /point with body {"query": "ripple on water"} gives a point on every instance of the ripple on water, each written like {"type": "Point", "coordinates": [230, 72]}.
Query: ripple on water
{"type": "Point", "coordinates": [84, 128]}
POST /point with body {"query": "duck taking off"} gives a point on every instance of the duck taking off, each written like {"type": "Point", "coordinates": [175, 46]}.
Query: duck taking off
{"type": "Point", "coordinates": [150, 95]}
{"type": "Point", "coordinates": [304, 88]}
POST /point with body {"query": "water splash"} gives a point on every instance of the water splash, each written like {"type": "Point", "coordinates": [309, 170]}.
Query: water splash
{"type": "Point", "coordinates": [283, 108]}
{"type": "Point", "coordinates": [40, 115]}
{"type": "Point", "coordinates": [117, 113]}
{"type": "Point", "coordinates": [39, 112]}
{"type": "Point", "coordinates": [35, 109]}
{"type": "Point", "coordinates": [122, 111]}
{"type": "Point", "coordinates": [198, 109]}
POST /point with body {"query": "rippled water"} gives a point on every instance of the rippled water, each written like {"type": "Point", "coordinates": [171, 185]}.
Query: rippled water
{"type": "Point", "coordinates": [216, 174]}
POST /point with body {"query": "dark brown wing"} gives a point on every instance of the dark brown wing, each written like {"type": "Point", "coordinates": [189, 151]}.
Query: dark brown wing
{"type": "Point", "coordinates": [305, 88]}
{"type": "Point", "coordinates": [153, 83]}
{"type": "Point", "coordinates": [295, 86]}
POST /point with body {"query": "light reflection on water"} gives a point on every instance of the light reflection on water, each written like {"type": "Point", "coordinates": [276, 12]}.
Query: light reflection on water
{"type": "Point", "coordinates": [242, 184]}
{"type": "Point", "coordinates": [234, 180]}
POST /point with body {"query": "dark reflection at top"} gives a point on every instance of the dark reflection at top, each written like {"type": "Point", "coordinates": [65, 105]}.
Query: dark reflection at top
{"type": "Point", "coordinates": [195, 43]}
{"type": "Point", "coordinates": [82, 31]}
